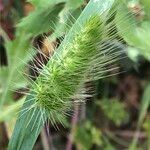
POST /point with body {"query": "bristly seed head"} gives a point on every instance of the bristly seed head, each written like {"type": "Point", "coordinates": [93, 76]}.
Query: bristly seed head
{"type": "Point", "coordinates": [55, 89]}
{"type": "Point", "coordinates": [86, 58]}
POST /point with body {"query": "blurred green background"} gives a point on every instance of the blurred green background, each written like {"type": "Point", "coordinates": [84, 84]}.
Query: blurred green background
{"type": "Point", "coordinates": [117, 117]}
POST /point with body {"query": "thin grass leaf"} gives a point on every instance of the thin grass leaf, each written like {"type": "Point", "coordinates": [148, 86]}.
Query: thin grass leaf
{"type": "Point", "coordinates": [143, 110]}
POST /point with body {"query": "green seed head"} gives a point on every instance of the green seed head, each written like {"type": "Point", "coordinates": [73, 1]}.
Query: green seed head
{"type": "Point", "coordinates": [56, 89]}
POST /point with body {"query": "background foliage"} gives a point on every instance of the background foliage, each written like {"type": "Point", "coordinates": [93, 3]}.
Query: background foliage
{"type": "Point", "coordinates": [117, 117]}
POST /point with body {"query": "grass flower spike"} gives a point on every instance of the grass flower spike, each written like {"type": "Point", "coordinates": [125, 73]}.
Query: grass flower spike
{"type": "Point", "coordinates": [60, 79]}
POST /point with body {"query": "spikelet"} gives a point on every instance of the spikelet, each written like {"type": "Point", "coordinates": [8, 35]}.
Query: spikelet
{"type": "Point", "coordinates": [87, 57]}
{"type": "Point", "coordinates": [61, 78]}
{"type": "Point", "coordinates": [84, 59]}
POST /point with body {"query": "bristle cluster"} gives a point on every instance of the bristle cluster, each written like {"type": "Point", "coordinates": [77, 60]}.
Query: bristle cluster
{"type": "Point", "coordinates": [86, 58]}
{"type": "Point", "coordinates": [61, 78]}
